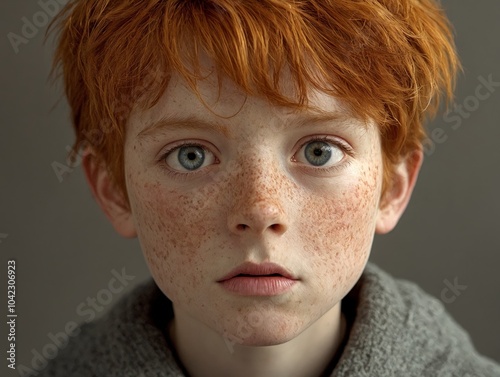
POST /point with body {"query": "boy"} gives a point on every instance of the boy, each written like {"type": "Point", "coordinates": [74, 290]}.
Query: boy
{"type": "Point", "coordinates": [254, 148]}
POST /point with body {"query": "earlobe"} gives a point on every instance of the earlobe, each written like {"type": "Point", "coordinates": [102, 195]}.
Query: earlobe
{"type": "Point", "coordinates": [109, 198]}
{"type": "Point", "coordinates": [396, 198]}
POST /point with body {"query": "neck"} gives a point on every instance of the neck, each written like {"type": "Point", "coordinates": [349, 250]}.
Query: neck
{"type": "Point", "coordinates": [205, 353]}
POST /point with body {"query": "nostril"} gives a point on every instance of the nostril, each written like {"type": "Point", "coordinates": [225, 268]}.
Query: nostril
{"type": "Point", "coordinates": [274, 227]}
{"type": "Point", "coordinates": [242, 226]}
{"type": "Point", "coordinates": [277, 227]}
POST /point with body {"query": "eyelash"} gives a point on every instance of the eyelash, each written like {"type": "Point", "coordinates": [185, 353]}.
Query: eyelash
{"type": "Point", "coordinates": [173, 173]}
{"type": "Point", "coordinates": [344, 147]}
{"type": "Point", "coordinates": [347, 149]}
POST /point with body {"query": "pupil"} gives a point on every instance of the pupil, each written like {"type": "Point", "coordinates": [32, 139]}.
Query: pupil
{"type": "Point", "coordinates": [191, 157]}
{"type": "Point", "coordinates": [318, 152]}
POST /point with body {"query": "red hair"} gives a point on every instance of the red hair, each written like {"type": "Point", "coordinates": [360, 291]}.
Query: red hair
{"type": "Point", "coordinates": [388, 60]}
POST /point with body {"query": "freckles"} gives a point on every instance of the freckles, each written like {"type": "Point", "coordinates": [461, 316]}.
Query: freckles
{"type": "Point", "coordinates": [172, 223]}
{"type": "Point", "coordinates": [172, 234]}
{"type": "Point", "coordinates": [341, 227]}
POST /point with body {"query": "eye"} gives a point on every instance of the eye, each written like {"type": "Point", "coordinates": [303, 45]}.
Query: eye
{"type": "Point", "coordinates": [321, 152]}
{"type": "Point", "coordinates": [188, 157]}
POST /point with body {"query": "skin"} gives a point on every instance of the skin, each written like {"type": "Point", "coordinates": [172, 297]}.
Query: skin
{"type": "Point", "coordinates": [255, 198]}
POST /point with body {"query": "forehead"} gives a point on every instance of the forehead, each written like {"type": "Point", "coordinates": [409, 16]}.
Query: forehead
{"type": "Point", "coordinates": [219, 99]}
{"type": "Point", "coordinates": [216, 99]}
{"type": "Point", "coordinates": [233, 114]}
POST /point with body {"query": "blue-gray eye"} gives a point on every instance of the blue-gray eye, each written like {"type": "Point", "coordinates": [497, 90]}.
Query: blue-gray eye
{"type": "Point", "coordinates": [189, 157]}
{"type": "Point", "coordinates": [320, 153]}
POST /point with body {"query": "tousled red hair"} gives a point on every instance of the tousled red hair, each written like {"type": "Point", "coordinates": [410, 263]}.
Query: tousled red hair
{"type": "Point", "coordinates": [389, 60]}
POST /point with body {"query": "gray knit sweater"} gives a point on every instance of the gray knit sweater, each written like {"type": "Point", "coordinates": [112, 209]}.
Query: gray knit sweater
{"type": "Point", "coordinates": [397, 330]}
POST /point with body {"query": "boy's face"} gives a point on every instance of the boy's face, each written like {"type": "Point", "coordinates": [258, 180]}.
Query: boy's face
{"type": "Point", "coordinates": [256, 187]}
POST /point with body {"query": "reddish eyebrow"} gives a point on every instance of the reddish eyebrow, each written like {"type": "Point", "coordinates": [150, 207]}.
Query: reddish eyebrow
{"type": "Point", "coordinates": [333, 118]}
{"type": "Point", "coordinates": [171, 124]}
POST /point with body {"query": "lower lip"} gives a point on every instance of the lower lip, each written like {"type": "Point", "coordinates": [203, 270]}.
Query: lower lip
{"type": "Point", "coordinates": [258, 286]}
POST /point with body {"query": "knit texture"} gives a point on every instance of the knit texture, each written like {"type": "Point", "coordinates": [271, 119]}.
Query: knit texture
{"type": "Point", "coordinates": [397, 330]}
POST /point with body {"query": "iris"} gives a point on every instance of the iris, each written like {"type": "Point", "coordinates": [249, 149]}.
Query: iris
{"type": "Point", "coordinates": [318, 153]}
{"type": "Point", "coordinates": [191, 157]}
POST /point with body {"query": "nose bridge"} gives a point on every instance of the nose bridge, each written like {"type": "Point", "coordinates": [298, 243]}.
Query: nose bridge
{"type": "Point", "coordinates": [257, 194]}
{"type": "Point", "coordinates": [258, 175]}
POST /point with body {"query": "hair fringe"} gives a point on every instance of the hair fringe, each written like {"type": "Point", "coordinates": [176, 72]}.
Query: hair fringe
{"type": "Point", "coordinates": [388, 60]}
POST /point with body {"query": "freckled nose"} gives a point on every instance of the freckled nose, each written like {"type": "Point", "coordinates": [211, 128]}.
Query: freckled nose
{"type": "Point", "coordinates": [257, 217]}
{"type": "Point", "coordinates": [258, 195]}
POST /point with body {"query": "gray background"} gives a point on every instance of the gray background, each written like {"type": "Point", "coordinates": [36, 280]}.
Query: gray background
{"type": "Point", "coordinates": [65, 249]}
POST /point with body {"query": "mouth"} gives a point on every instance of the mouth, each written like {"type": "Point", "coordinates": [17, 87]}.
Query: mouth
{"type": "Point", "coordinates": [251, 279]}
{"type": "Point", "coordinates": [258, 275]}
{"type": "Point", "coordinates": [253, 270]}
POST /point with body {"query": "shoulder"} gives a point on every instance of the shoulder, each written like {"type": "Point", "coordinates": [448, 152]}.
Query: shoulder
{"type": "Point", "coordinates": [125, 342]}
{"type": "Point", "coordinates": [400, 330]}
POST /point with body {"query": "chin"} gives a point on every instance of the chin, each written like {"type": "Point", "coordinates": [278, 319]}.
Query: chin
{"type": "Point", "coordinates": [266, 341]}
{"type": "Point", "coordinates": [264, 334]}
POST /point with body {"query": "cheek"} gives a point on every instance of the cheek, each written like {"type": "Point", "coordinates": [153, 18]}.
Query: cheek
{"type": "Point", "coordinates": [172, 227]}
{"type": "Point", "coordinates": [338, 230]}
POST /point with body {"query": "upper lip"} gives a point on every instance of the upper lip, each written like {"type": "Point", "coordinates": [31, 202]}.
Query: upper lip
{"type": "Point", "coordinates": [249, 268]}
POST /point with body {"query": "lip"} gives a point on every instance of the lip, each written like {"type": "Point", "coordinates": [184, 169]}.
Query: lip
{"type": "Point", "coordinates": [266, 279]}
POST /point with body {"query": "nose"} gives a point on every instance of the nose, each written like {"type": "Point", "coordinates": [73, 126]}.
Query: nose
{"type": "Point", "coordinates": [257, 217]}
{"type": "Point", "coordinates": [258, 202]}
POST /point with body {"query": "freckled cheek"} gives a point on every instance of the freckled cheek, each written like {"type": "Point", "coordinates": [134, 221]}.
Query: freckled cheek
{"type": "Point", "coordinates": [174, 233]}
{"type": "Point", "coordinates": [339, 230]}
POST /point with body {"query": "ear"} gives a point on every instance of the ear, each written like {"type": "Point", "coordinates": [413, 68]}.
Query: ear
{"type": "Point", "coordinates": [109, 198]}
{"type": "Point", "coordinates": [396, 198]}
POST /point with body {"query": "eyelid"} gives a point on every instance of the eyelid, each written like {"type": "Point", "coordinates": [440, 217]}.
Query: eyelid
{"type": "Point", "coordinates": [165, 153]}
{"type": "Point", "coordinates": [343, 145]}
{"type": "Point", "coordinates": [336, 141]}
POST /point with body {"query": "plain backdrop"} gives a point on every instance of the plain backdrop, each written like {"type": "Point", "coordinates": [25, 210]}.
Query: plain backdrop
{"type": "Point", "coordinates": [65, 249]}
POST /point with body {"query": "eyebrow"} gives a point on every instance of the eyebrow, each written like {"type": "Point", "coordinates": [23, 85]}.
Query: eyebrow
{"type": "Point", "coordinates": [172, 124]}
